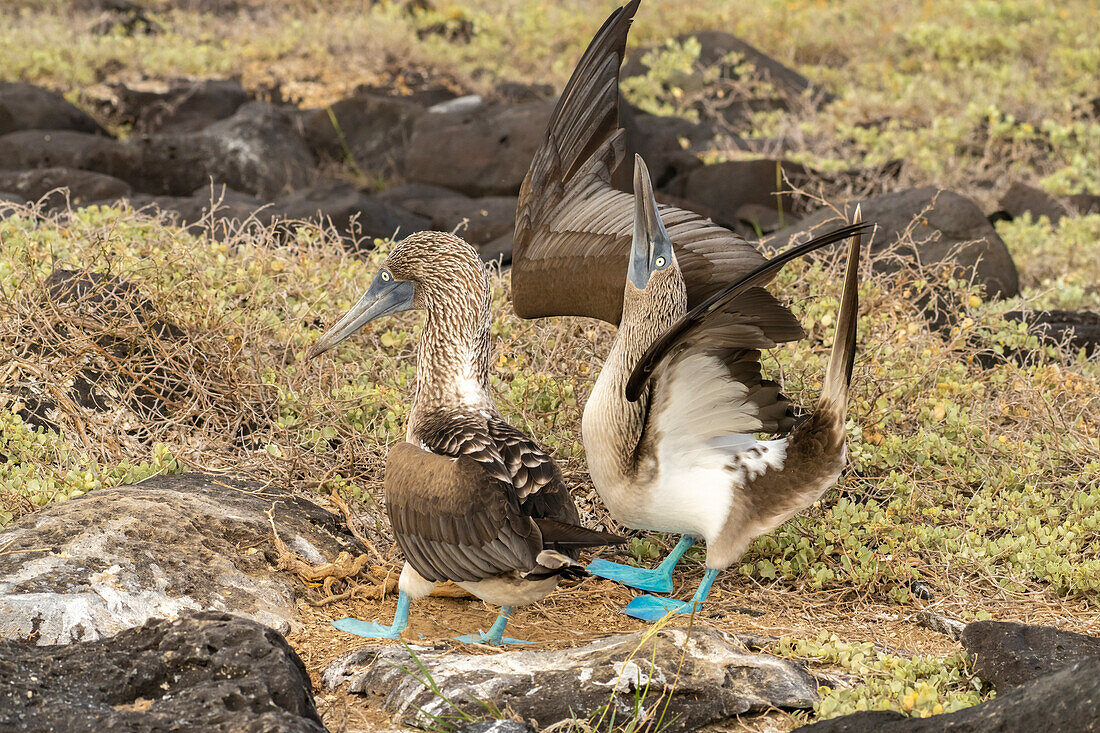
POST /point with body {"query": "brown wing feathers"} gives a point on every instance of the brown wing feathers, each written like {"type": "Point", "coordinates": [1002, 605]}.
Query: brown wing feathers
{"type": "Point", "coordinates": [452, 520]}
{"type": "Point", "coordinates": [483, 501]}
{"type": "Point", "coordinates": [573, 228]}
{"type": "Point", "coordinates": [719, 305]}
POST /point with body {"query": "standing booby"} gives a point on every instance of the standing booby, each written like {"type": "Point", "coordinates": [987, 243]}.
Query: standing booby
{"type": "Point", "coordinates": [470, 498]}
{"type": "Point", "coordinates": [574, 230]}
{"type": "Point", "coordinates": [669, 426]}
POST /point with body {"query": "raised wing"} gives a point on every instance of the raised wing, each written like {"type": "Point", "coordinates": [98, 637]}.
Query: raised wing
{"type": "Point", "coordinates": [708, 395]}
{"type": "Point", "coordinates": [455, 521]}
{"type": "Point", "coordinates": [728, 312]}
{"type": "Point", "coordinates": [573, 228]}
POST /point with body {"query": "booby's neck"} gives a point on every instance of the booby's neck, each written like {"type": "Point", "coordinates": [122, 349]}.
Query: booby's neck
{"type": "Point", "coordinates": [452, 368]}
{"type": "Point", "coordinates": [613, 426]}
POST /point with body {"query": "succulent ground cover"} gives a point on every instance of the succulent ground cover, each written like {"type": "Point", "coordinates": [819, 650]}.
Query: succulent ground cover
{"type": "Point", "coordinates": [974, 484]}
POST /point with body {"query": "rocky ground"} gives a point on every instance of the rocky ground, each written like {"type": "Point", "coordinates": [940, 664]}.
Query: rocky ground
{"type": "Point", "coordinates": [184, 506]}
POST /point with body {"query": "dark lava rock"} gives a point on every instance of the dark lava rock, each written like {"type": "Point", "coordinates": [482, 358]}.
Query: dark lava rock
{"type": "Point", "coordinates": [373, 129]}
{"type": "Point", "coordinates": [933, 226]}
{"type": "Point", "coordinates": [706, 677]}
{"type": "Point", "coordinates": [204, 672]}
{"type": "Point", "coordinates": [104, 297]}
{"type": "Point", "coordinates": [483, 152]}
{"type": "Point", "coordinates": [10, 203]}
{"type": "Point", "coordinates": [217, 214]}
{"type": "Point", "coordinates": [515, 92]}
{"type": "Point", "coordinates": [351, 212]}
{"type": "Point", "coordinates": [114, 558]}
{"type": "Point", "coordinates": [477, 220]}
{"type": "Point", "coordinates": [125, 17]}
{"type": "Point", "coordinates": [63, 185]}
{"type": "Point", "coordinates": [27, 107]}
{"type": "Point", "coordinates": [257, 151]}
{"type": "Point", "coordinates": [657, 140]}
{"type": "Point", "coordinates": [1085, 203]}
{"type": "Point", "coordinates": [416, 195]}
{"type": "Point", "coordinates": [1076, 329]}
{"type": "Point", "coordinates": [62, 149]}
{"type": "Point", "coordinates": [1006, 654]}
{"type": "Point", "coordinates": [184, 107]}
{"type": "Point", "coordinates": [725, 188]}
{"type": "Point", "coordinates": [1068, 700]}
{"type": "Point", "coordinates": [1020, 198]}
{"type": "Point", "coordinates": [715, 46]}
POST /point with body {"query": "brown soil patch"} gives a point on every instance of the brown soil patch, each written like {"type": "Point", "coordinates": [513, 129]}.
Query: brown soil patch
{"type": "Point", "coordinates": [583, 611]}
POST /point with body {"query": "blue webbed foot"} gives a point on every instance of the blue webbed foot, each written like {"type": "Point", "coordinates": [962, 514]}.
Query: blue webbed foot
{"type": "Point", "coordinates": [486, 638]}
{"type": "Point", "coordinates": [372, 630]}
{"type": "Point", "coordinates": [652, 608]}
{"type": "Point", "coordinates": [495, 635]}
{"type": "Point", "coordinates": [369, 629]}
{"type": "Point", "coordinates": [655, 580]}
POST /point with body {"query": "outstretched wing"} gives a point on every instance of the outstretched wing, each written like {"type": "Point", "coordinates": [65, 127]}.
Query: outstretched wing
{"type": "Point", "coordinates": [729, 311]}
{"type": "Point", "coordinates": [454, 520]}
{"type": "Point", "coordinates": [573, 228]}
{"type": "Point", "coordinates": [708, 395]}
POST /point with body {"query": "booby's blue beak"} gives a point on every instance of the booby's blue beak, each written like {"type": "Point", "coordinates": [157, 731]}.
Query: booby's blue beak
{"type": "Point", "coordinates": [384, 297]}
{"type": "Point", "coordinates": [651, 249]}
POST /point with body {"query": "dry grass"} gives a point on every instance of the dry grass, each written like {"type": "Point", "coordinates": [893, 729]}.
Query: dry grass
{"type": "Point", "coordinates": [965, 479]}
{"type": "Point", "coordinates": [973, 487]}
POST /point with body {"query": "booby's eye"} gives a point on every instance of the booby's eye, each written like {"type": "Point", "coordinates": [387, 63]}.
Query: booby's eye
{"type": "Point", "coordinates": [385, 276]}
{"type": "Point", "coordinates": [660, 262]}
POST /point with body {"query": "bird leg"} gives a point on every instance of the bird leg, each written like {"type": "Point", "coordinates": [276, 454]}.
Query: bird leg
{"type": "Point", "coordinates": [656, 580]}
{"type": "Point", "coordinates": [372, 630]}
{"type": "Point", "coordinates": [652, 608]}
{"type": "Point", "coordinates": [495, 635]}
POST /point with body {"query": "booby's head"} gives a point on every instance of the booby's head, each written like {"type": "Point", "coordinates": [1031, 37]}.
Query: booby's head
{"type": "Point", "coordinates": [425, 270]}
{"type": "Point", "coordinates": [651, 248]}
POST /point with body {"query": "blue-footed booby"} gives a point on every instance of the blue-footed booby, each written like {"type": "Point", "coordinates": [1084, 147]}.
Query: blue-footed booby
{"type": "Point", "coordinates": [470, 498]}
{"type": "Point", "coordinates": [669, 428]}
{"type": "Point", "coordinates": [574, 232]}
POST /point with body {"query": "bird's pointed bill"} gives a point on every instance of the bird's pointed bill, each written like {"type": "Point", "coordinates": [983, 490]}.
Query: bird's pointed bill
{"type": "Point", "coordinates": [384, 297]}
{"type": "Point", "coordinates": [651, 248]}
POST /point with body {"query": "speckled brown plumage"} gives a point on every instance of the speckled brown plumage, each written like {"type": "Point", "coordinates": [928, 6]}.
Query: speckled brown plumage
{"type": "Point", "coordinates": [503, 501]}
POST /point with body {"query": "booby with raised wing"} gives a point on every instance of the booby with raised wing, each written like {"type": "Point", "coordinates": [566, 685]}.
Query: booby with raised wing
{"type": "Point", "coordinates": [574, 229]}
{"type": "Point", "coordinates": [470, 498]}
{"type": "Point", "coordinates": [669, 428]}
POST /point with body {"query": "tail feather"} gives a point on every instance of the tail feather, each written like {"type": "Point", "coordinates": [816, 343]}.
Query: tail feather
{"type": "Point", "coordinates": [838, 375]}
{"type": "Point", "coordinates": [563, 536]}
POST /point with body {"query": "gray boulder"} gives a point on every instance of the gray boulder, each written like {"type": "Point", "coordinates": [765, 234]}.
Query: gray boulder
{"type": "Point", "coordinates": [204, 672]}
{"type": "Point", "coordinates": [181, 107]}
{"type": "Point", "coordinates": [371, 128]}
{"type": "Point", "coordinates": [1007, 654]}
{"type": "Point", "coordinates": [483, 152]}
{"type": "Point", "coordinates": [10, 203]}
{"type": "Point", "coordinates": [61, 185]}
{"type": "Point", "coordinates": [257, 151]}
{"type": "Point", "coordinates": [933, 226]}
{"type": "Point", "coordinates": [477, 220]}
{"type": "Point", "coordinates": [27, 107]}
{"type": "Point", "coordinates": [63, 149]}
{"type": "Point", "coordinates": [351, 212]}
{"type": "Point", "coordinates": [114, 558]}
{"type": "Point", "coordinates": [1064, 701]}
{"type": "Point", "coordinates": [703, 677]}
